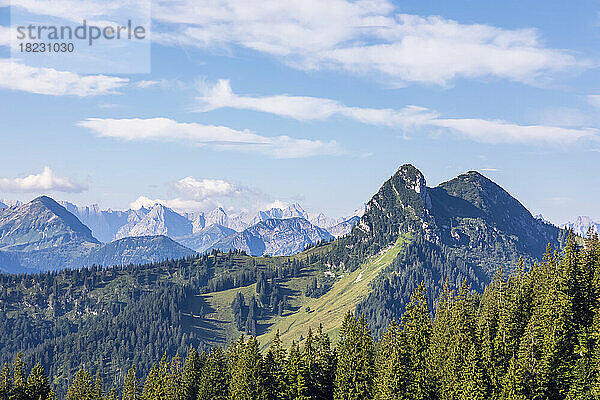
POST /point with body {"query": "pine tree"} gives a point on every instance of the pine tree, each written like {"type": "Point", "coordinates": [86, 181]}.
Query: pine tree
{"type": "Point", "coordinates": [98, 393]}
{"type": "Point", "coordinates": [192, 370]}
{"type": "Point", "coordinates": [5, 382]}
{"type": "Point", "coordinates": [297, 387]}
{"type": "Point", "coordinates": [416, 330]}
{"type": "Point", "coordinates": [38, 386]}
{"type": "Point", "coordinates": [274, 370]}
{"type": "Point", "coordinates": [82, 387]}
{"type": "Point", "coordinates": [131, 386]}
{"type": "Point", "coordinates": [393, 378]}
{"type": "Point", "coordinates": [325, 360]}
{"type": "Point", "coordinates": [355, 368]}
{"type": "Point", "coordinates": [246, 373]}
{"type": "Point", "coordinates": [214, 382]}
{"type": "Point", "coordinates": [19, 380]}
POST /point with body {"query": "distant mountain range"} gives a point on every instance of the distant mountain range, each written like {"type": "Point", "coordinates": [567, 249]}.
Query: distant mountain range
{"type": "Point", "coordinates": [275, 237]}
{"type": "Point", "coordinates": [44, 235]}
{"type": "Point", "coordinates": [582, 225]}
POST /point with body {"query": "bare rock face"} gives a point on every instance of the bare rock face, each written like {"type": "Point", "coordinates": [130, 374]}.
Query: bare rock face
{"type": "Point", "coordinates": [204, 239]}
{"type": "Point", "coordinates": [582, 225]}
{"type": "Point", "coordinates": [160, 220]}
{"type": "Point", "coordinates": [275, 237]}
{"type": "Point", "coordinates": [40, 224]}
{"type": "Point", "coordinates": [344, 227]}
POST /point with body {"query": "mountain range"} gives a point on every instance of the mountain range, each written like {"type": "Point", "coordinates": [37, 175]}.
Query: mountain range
{"type": "Point", "coordinates": [43, 234]}
{"type": "Point", "coordinates": [582, 225]}
{"type": "Point", "coordinates": [461, 232]}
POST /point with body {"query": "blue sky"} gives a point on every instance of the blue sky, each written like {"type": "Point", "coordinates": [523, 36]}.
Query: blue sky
{"type": "Point", "coordinates": [316, 102]}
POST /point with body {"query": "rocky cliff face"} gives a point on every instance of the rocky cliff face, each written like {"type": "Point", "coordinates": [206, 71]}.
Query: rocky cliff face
{"type": "Point", "coordinates": [582, 225]}
{"type": "Point", "coordinates": [104, 224]}
{"type": "Point", "coordinates": [275, 237]}
{"type": "Point", "coordinates": [344, 227]}
{"type": "Point", "coordinates": [204, 239]}
{"type": "Point", "coordinates": [160, 220]}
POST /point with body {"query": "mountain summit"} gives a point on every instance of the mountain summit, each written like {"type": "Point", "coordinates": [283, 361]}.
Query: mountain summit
{"type": "Point", "coordinates": [40, 224]}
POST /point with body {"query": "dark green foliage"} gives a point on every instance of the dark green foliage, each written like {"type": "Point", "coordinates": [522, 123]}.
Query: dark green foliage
{"type": "Point", "coordinates": [128, 315]}
{"type": "Point", "coordinates": [528, 336]}
{"type": "Point", "coordinates": [355, 371]}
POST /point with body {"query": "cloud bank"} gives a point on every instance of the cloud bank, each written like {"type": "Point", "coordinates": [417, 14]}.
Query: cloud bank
{"type": "Point", "coordinates": [45, 180]}
{"type": "Point", "coordinates": [220, 95]}
{"type": "Point", "coordinates": [15, 75]}
{"type": "Point", "coordinates": [217, 137]}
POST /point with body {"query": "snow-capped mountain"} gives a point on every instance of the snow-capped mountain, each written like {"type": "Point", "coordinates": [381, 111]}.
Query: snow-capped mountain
{"type": "Point", "coordinates": [324, 221]}
{"type": "Point", "coordinates": [160, 220]}
{"type": "Point", "coordinates": [133, 217]}
{"type": "Point", "coordinates": [43, 235]}
{"type": "Point", "coordinates": [216, 216]}
{"type": "Point", "coordinates": [582, 224]}
{"type": "Point", "coordinates": [201, 230]}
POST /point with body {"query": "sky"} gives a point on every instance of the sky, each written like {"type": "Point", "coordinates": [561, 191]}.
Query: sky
{"type": "Point", "coordinates": [316, 102]}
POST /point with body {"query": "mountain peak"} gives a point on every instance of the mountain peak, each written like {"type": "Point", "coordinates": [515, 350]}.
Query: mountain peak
{"type": "Point", "coordinates": [40, 224]}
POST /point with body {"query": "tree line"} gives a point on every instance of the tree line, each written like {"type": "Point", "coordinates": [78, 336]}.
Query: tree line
{"type": "Point", "coordinates": [534, 334]}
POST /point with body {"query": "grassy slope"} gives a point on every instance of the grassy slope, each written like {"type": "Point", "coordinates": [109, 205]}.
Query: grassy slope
{"type": "Point", "coordinates": [327, 310]}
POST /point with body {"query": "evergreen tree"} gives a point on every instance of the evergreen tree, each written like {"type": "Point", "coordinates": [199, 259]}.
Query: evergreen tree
{"type": "Point", "coordinates": [131, 386]}
{"type": "Point", "coordinates": [82, 387]}
{"type": "Point", "coordinates": [325, 361]}
{"type": "Point", "coordinates": [98, 393]}
{"type": "Point", "coordinates": [38, 386]}
{"type": "Point", "coordinates": [393, 365]}
{"type": "Point", "coordinates": [192, 370]}
{"type": "Point", "coordinates": [5, 382]}
{"type": "Point", "coordinates": [355, 368]}
{"type": "Point", "coordinates": [19, 380]}
{"type": "Point", "coordinates": [214, 381]}
{"type": "Point", "coordinates": [275, 370]}
{"type": "Point", "coordinates": [247, 374]}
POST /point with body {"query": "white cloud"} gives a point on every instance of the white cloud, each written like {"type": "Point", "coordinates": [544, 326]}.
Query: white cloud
{"type": "Point", "coordinates": [594, 99]}
{"type": "Point", "coordinates": [221, 95]}
{"type": "Point", "coordinates": [17, 76]}
{"type": "Point", "coordinates": [364, 36]}
{"type": "Point", "coordinates": [490, 170]}
{"type": "Point", "coordinates": [4, 36]}
{"type": "Point", "coordinates": [305, 108]}
{"type": "Point", "coordinates": [367, 37]}
{"type": "Point", "coordinates": [274, 204]}
{"type": "Point", "coordinates": [203, 189]}
{"type": "Point", "coordinates": [45, 180]}
{"type": "Point", "coordinates": [146, 84]}
{"type": "Point", "coordinates": [498, 131]}
{"type": "Point", "coordinates": [218, 137]}
{"type": "Point", "coordinates": [175, 204]}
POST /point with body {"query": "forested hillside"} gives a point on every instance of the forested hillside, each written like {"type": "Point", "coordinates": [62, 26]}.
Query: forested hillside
{"type": "Point", "coordinates": [105, 318]}
{"type": "Point", "coordinates": [534, 334]}
{"type": "Point", "coordinates": [109, 317]}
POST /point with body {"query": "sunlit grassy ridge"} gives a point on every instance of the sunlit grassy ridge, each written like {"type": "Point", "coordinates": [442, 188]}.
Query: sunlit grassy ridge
{"type": "Point", "coordinates": [327, 310]}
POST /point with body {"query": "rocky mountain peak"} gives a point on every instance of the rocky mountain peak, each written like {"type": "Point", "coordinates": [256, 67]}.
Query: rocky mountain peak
{"type": "Point", "coordinates": [39, 224]}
